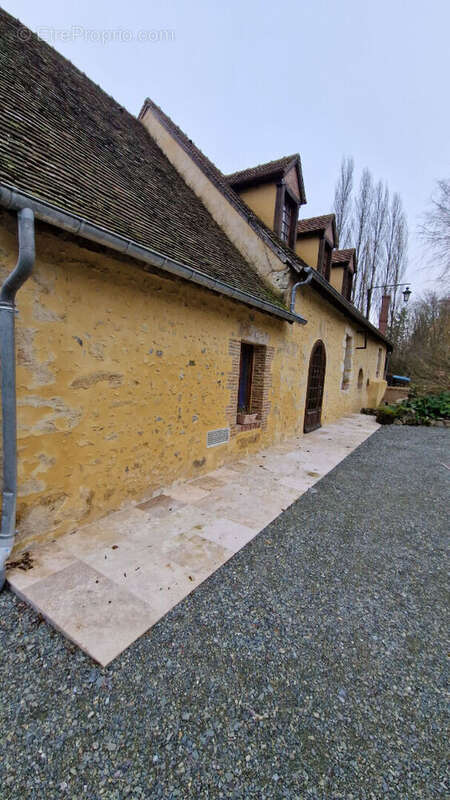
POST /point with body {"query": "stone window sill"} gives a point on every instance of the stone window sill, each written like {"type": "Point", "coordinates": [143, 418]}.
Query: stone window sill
{"type": "Point", "coordinates": [249, 427]}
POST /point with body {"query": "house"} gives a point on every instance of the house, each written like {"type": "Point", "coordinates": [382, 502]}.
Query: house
{"type": "Point", "coordinates": [165, 298]}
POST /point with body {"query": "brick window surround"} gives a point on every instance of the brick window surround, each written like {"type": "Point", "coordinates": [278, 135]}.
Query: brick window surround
{"type": "Point", "coordinates": [261, 384]}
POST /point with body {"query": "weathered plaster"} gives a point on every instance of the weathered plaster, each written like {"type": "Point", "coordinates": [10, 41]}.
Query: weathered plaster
{"type": "Point", "coordinates": [307, 247]}
{"type": "Point", "coordinates": [337, 277]}
{"type": "Point", "coordinates": [261, 199]}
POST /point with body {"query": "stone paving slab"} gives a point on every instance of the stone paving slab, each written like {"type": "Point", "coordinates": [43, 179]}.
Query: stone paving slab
{"type": "Point", "coordinates": [107, 583]}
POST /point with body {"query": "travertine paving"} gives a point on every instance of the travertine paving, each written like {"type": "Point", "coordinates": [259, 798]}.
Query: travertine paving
{"type": "Point", "coordinates": [109, 582]}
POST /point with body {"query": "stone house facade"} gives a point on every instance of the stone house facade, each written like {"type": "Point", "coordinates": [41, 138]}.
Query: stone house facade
{"type": "Point", "coordinates": [161, 302]}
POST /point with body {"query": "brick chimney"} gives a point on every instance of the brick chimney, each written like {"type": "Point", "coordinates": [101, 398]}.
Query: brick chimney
{"type": "Point", "coordinates": [384, 311]}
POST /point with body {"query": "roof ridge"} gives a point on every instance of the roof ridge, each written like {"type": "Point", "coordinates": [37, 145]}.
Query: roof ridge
{"type": "Point", "coordinates": [319, 223]}
{"type": "Point", "coordinates": [344, 255]}
{"type": "Point", "coordinates": [268, 166]}
{"type": "Point", "coordinates": [343, 250]}
{"type": "Point", "coordinates": [317, 218]}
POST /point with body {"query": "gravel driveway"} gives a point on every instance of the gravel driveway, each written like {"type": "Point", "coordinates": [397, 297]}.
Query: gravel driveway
{"type": "Point", "coordinates": [312, 665]}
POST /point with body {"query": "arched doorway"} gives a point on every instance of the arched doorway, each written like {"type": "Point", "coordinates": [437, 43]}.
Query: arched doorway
{"type": "Point", "coordinates": [314, 392]}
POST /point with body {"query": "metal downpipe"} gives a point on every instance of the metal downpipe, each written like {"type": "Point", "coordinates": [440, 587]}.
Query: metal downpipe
{"type": "Point", "coordinates": [297, 285]}
{"type": "Point", "coordinates": [22, 270]}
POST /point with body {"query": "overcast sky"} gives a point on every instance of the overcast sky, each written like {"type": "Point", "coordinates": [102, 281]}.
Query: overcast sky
{"type": "Point", "coordinates": [250, 81]}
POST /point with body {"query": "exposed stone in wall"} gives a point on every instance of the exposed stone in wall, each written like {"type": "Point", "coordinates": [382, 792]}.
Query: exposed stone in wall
{"type": "Point", "coordinates": [61, 417]}
{"type": "Point", "coordinates": [280, 279]}
{"type": "Point", "coordinates": [85, 381]}
{"type": "Point", "coordinates": [41, 374]}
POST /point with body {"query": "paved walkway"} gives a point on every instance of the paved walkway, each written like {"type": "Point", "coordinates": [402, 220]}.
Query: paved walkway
{"type": "Point", "coordinates": [110, 581]}
{"type": "Point", "coordinates": [311, 665]}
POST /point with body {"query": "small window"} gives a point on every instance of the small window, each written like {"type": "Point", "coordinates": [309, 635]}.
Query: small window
{"type": "Point", "coordinates": [287, 215]}
{"type": "Point", "coordinates": [325, 267]}
{"type": "Point", "coordinates": [347, 363]}
{"type": "Point", "coordinates": [347, 283]}
{"type": "Point", "coordinates": [360, 379]}
{"type": "Point", "coordinates": [380, 356]}
{"type": "Point", "coordinates": [246, 377]}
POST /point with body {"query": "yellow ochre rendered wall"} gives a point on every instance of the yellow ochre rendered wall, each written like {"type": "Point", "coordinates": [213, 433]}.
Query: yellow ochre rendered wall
{"type": "Point", "coordinates": [307, 247]}
{"type": "Point", "coordinates": [261, 199]}
{"type": "Point", "coordinates": [120, 374]}
{"type": "Point", "coordinates": [336, 278]}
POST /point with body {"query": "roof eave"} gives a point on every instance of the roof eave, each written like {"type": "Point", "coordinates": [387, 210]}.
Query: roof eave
{"type": "Point", "coordinates": [13, 199]}
{"type": "Point", "coordinates": [321, 285]}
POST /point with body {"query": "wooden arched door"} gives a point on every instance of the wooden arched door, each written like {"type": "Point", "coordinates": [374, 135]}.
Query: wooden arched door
{"type": "Point", "coordinates": [314, 392]}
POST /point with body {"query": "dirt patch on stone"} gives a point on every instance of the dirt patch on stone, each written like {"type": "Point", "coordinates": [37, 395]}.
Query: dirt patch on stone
{"type": "Point", "coordinates": [25, 562]}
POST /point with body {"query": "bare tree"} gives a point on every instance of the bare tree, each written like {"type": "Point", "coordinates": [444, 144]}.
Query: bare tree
{"type": "Point", "coordinates": [377, 230]}
{"type": "Point", "coordinates": [376, 239]}
{"type": "Point", "coordinates": [343, 201]}
{"type": "Point", "coordinates": [398, 259]}
{"type": "Point", "coordinates": [360, 230]}
{"type": "Point", "coordinates": [435, 228]}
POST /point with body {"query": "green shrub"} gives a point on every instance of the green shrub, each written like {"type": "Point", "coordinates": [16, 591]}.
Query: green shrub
{"type": "Point", "coordinates": [432, 406]}
{"type": "Point", "coordinates": [416, 410]}
{"type": "Point", "coordinates": [386, 415]}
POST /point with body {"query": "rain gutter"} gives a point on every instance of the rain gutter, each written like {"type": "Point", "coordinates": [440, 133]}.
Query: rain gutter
{"type": "Point", "coordinates": [15, 200]}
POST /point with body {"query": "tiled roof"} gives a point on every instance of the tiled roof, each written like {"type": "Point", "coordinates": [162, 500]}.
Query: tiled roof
{"type": "Point", "coordinates": [66, 142]}
{"type": "Point", "coordinates": [343, 256]}
{"type": "Point", "coordinates": [262, 171]}
{"type": "Point", "coordinates": [218, 179]}
{"type": "Point", "coordinates": [315, 223]}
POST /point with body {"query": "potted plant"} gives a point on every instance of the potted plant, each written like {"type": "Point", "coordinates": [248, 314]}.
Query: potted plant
{"type": "Point", "coordinates": [245, 417]}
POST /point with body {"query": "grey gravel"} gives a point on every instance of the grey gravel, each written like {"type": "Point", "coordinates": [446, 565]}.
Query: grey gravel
{"type": "Point", "coordinates": [312, 665]}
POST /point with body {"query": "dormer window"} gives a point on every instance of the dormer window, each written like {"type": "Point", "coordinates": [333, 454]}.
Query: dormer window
{"type": "Point", "coordinates": [316, 238]}
{"type": "Point", "coordinates": [274, 191]}
{"type": "Point", "coordinates": [286, 219]}
{"type": "Point", "coordinates": [325, 267]}
{"type": "Point", "coordinates": [343, 268]}
{"type": "Point", "coordinates": [347, 283]}
{"type": "Point", "coordinates": [286, 225]}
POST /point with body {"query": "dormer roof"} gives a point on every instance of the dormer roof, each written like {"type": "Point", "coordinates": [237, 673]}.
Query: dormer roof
{"type": "Point", "coordinates": [342, 258]}
{"type": "Point", "coordinates": [318, 225]}
{"type": "Point", "coordinates": [272, 170]}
